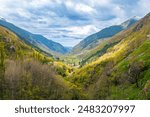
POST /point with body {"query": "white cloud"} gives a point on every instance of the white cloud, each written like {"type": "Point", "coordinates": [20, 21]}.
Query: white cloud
{"type": "Point", "coordinates": [82, 30]}
{"type": "Point", "coordinates": [70, 20]}
{"type": "Point", "coordinates": [100, 2]}
{"type": "Point", "coordinates": [68, 42]}
{"type": "Point", "coordinates": [84, 8]}
{"type": "Point", "coordinates": [142, 8]}
{"type": "Point", "coordinates": [40, 3]}
{"type": "Point", "coordinates": [23, 13]}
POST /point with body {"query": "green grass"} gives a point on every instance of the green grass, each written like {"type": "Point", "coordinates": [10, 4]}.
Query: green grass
{"type": "Point", "coordinates": [115, 64]}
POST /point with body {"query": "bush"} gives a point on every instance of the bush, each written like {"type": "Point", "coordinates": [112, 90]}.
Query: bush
{"type": "Point", "coordinates": [134, 72]}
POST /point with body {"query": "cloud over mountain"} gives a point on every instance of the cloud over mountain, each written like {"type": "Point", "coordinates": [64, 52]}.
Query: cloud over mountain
{"type": "Point", "coordinates": [69, 21]}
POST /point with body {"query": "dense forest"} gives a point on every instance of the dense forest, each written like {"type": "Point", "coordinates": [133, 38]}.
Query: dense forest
{"type": "Point", "coordinates": [117, 68]}
{"type": "Point", "coordinates": [26, 73]}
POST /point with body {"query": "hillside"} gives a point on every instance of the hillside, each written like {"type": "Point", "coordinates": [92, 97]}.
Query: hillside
{"type": "Point", "coordinates": [123, 71]}
{"type": "Point", "coordinates": [94, 40]}
{"type": "Point", "coordinates": [35, 40]}
{"type": "Point", "coordinates": [117, 68]}
{"type": "Point", "coordinates": [26, 73]}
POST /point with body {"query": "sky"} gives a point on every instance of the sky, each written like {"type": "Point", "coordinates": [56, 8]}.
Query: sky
{"type": "Point", "coordinates": [69, 21]}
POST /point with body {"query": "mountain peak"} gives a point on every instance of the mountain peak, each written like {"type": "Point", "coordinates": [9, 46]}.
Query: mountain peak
{"type": "Point", "coordinates": [35, 40]}
{"type": "Point", "coordinates": [135, 18]}
{"type": "Point", "coordinates": [129, 22]}
{"type": "Point", "coordinates": [93, 40]}
{"type": "Point", "coordinates": [148, 15]}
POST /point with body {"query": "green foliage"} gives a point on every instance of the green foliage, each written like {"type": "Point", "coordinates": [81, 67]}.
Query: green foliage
{"type": "Point", "coordinates": [2, 54]}
{"type": "Point", "coordinates": [2, 70]}
{"type": "Point", "coordinates": [62, 69]}
{"type": "Point", "coordinates": [97, 53]}
{"type": "Point", "coordinates": [33, 80]}
{"type": "Point", "coordinates": [26, 73]}
{"type": "Point", "coordinates": [118, 69]}
{"type": "Point", "coordinates": [122, 72]}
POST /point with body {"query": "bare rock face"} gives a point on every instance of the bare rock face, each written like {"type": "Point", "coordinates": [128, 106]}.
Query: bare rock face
{"type": "Point", "coordinates": [148, 16]}
{"type": "Point", "coordinates": [7, 40]}
{"type": "Point", "coordinates": [144, 21]}
{"type": "Point", "coordinates": [12, 48]}
{"type": "Point", "coordinates": [138, 27]}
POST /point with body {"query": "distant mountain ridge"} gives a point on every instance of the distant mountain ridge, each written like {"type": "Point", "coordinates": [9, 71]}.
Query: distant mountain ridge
{"type": "Point", "coordinates": [94, 39]}
{"type": "Point", "coordinates": [123, 70]}
{"type": "Point", "coordinates": [36, 40]}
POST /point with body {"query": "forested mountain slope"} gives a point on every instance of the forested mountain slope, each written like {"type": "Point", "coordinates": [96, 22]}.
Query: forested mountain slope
{"type": "Point", "coordinates": [123, 72]}
{"type": "Point", "coordinates": [25, 73]}
{"type": "Point", "coordinates": [94, 40]}
{"type": "Point", "coordinates": [118, 68]}
{"type": "Point", "coordinates": [35, 40]}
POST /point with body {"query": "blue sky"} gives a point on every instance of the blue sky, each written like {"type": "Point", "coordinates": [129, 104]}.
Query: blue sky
{"type": "Point", "coordinates": [70, 21]}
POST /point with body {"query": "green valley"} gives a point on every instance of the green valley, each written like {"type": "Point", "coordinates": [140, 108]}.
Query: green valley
{"type": "Point", "coordinates": [27, 73]}
{"type": "Point", "coordinates": [122, 72]}
{"type": "Point", "coordinates": [118, 67]}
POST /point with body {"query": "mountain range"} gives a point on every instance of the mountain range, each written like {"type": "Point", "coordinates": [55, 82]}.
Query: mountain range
{"type": "Point", "coordinates": [93, 40]}
{"type": "Point", "coordinates": [123, 70]}
{"type": "Point", "coordinates": [117, 67]}
{"type": "Point", "coordinates": [35, 40]}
